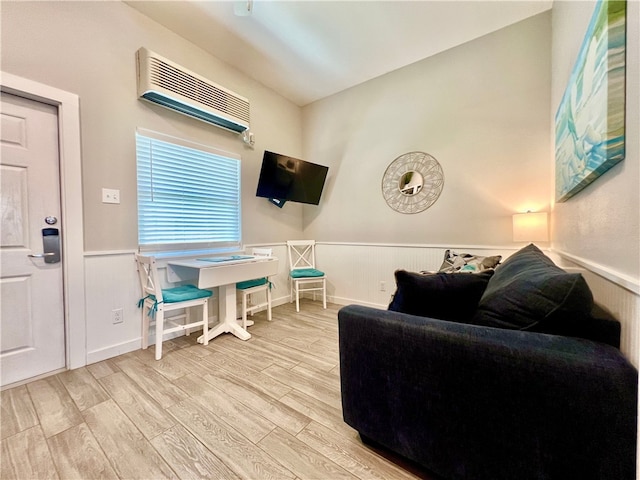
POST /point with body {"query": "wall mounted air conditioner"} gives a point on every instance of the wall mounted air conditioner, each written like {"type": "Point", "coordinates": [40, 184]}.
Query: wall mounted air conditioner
{"type": "Point", "coordinates": [166, 83]}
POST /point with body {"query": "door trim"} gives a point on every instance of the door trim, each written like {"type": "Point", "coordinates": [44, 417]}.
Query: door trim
{"type": "Point", "coordinates": [68, 105]}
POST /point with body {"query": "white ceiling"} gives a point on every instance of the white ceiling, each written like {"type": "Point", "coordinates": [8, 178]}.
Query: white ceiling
{"type": "Point", "coordinates": [308, 50]}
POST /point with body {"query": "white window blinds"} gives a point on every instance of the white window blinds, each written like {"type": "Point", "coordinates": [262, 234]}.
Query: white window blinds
{"type": "Point", "coordinates": [188, 194]}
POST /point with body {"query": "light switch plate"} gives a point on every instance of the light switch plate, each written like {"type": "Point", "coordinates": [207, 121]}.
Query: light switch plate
{"type": "Point", "coordinates": [110, 195]}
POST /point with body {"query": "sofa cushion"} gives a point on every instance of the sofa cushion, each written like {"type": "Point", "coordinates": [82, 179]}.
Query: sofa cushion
{"type": "Point", "coordinates": [529, 292]}
{"type": "Point", "coordinates": [443, 296]}
{"type": "Point", "coordinates": [465, 262]}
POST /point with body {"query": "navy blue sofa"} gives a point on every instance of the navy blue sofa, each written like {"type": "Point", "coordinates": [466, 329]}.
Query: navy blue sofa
{"type": "Point", "coordinates": [483, 396]}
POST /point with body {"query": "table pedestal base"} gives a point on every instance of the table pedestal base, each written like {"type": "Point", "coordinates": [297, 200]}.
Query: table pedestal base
{"type": "Point", "coordinates": [227, 314]}
{"type": "Point", "coordinates": [224, 327]}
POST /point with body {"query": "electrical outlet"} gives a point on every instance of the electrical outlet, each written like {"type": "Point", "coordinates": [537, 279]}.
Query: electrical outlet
{"type": "Point", "coordinates": [383, 286]}
{"type": "Point", "coordinates": [117, 316]}
{"type": "Point", "coordinates": [110, 195]}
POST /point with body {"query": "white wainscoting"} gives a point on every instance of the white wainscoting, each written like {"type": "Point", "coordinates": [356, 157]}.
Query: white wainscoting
{"type": "Point", "coordinates": [111, 282]}
{"type": "Point", "coordinates": [355, 270]}
{"type": "Point", "coordinates": [625, 306]}
{"type": "Point", "coordinates": [618, 294]}
{"type": "Point", "coordinates": [354, 275]}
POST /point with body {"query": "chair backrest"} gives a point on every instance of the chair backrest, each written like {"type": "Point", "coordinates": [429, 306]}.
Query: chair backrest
{"type": "Point", "coordinates": [262, 252]}
{"type": "Point", "coordinates": [149, 278]}
{"type": "Point", "coordinates": [302, 254]}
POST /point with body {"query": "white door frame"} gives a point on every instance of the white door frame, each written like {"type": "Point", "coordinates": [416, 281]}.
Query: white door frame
{"type": "Point", "coordinates": [68, 105]}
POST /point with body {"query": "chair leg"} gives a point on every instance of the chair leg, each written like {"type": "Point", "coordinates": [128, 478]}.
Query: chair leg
{"type": "Point", "coordinates": [324, 293]}
{"type": "Point", "coordinates": [290, 290]}
{"type": "Point", "coordinates": [145, 327]}
{"type": "Point", "coordinates": [268, 303]}
{"type": "Point", "coordinates": [159, 332]}
{"type": "Point", "coordinates": [205, 322]}
{"type": "Point", "coordinates": [187, 320]}
{"type": "Point", "coordinates": [297, 296]}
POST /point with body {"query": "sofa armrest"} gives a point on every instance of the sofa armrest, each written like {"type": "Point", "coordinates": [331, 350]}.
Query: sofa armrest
{"type": "Point", "coordinates": [479, 402]}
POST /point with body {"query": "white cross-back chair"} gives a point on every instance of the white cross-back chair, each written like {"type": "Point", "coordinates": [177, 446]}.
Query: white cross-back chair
{"type": "Point", "coordinates": [303, 274]}
{"type": "Point", "coordinates": [156, 301]}
{"type": "Point", "coordinates": [249, 288]}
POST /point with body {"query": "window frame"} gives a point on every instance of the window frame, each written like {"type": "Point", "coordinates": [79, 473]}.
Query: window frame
{"type": "Point", "coordinates": [176, 248]}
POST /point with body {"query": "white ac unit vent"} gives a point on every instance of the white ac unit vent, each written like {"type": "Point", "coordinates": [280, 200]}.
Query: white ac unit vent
{"type": "Point", "coordinates": [164, 82]}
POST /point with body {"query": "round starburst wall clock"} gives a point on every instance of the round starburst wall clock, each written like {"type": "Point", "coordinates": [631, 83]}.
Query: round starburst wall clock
{"type": "Point", "coordinates": [412, 182]}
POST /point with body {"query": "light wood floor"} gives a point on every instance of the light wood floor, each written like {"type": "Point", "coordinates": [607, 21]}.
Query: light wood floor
{"type": "Point", "coordinates": [267, 408]}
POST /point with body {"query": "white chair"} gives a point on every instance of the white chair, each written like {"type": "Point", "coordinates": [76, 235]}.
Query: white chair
{"type": "Point", "coordinates": [257, 285]}
{"type": "Point", "coordinates": [156, 301]}
{"type": "Point", "coordinates": [302, 271]}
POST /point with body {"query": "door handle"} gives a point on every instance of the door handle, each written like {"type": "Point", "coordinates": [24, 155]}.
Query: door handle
{"type": "Point", "coordinates": [51, 244]}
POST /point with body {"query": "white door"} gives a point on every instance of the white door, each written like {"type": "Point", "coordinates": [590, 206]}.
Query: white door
{"type": "Point", "coordinates": [32, 328]}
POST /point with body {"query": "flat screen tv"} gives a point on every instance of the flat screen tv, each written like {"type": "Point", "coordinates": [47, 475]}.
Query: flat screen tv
{"type": "Point", "coordinates": [287, 179]}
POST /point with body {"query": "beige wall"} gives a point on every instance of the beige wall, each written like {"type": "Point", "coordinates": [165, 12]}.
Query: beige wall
{"type": "Point", "coordinates": [88, 48]}
{"type": "Point", "coordinates": [481, 109]}
{"type": "Point", "coordinates": [484, 110]}
{"type": "Point", "coordinates": [601, 224]}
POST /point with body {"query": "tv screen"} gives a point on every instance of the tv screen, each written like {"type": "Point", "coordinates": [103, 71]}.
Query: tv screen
{"type": "Point", "coordinates": [290, 179]}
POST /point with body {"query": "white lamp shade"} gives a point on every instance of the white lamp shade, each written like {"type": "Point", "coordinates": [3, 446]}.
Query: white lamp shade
{"type": "Point", "coordinates": [530, 227]}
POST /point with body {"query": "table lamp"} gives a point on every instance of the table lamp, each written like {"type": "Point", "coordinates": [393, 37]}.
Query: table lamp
{"type": "Point", "coordinates": [530, 227]}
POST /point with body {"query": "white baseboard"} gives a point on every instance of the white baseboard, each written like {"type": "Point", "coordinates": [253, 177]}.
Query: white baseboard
{"type": "Point", "coordinates": [336, 300]}
{"type": "Point", "coordinates": [113, 351]}
{"type": "Point", "coordinates": [136, 344]}
{"type": "Point", "coordinates": [351, 301]}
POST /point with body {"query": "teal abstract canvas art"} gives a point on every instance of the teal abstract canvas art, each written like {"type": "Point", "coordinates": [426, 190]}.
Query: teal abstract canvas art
{"type": "Point", "coordinates": [590, 121]}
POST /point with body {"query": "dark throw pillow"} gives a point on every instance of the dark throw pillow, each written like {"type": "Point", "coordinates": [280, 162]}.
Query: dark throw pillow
{"type": "Point", "coordinates": [439, 295]}
{"type": "Point", "coordinates": [529, 292]}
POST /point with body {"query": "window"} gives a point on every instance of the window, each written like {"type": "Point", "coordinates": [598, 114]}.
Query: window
{"type": "Point", "coordinates": [188, 195]}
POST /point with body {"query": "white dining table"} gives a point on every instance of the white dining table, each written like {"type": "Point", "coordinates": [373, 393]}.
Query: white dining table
{"type": "Point", "coordinates": [223, 272]}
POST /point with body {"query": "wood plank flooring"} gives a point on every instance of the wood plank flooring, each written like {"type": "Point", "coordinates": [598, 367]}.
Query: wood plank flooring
{"type": "Point", "coordinates": [267, 408]}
